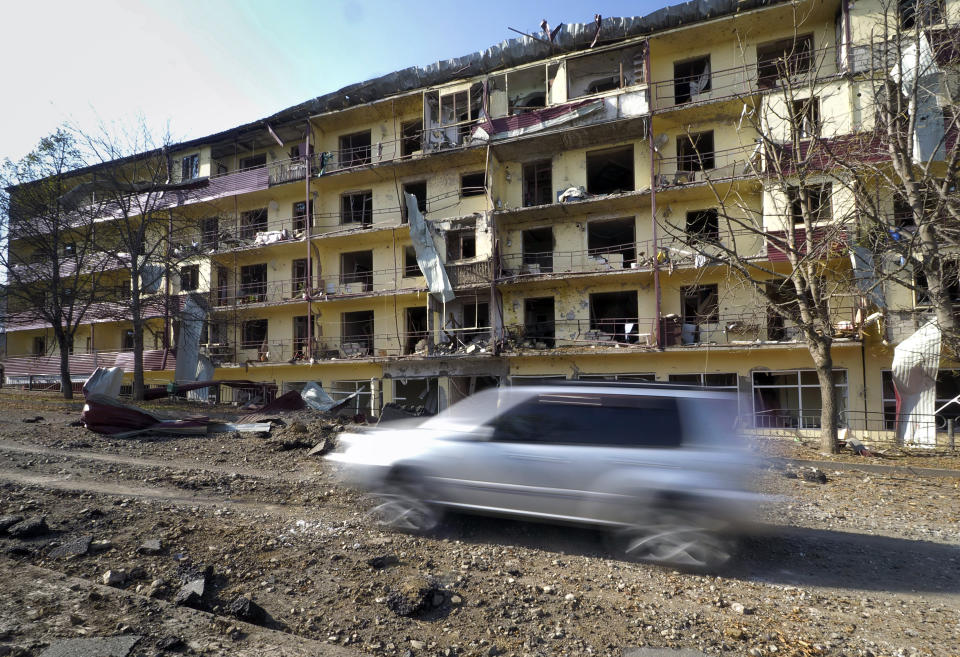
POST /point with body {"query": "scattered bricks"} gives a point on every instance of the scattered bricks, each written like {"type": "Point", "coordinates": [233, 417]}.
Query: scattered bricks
{"type": "Point", "coordinates": [72, 548]}
{"type": "Point", "coordinates": [244, 609]}
{"type": "Point", "coordinates": [36, 526]}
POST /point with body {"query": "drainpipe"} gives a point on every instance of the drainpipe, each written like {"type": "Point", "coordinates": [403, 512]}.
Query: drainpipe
{"type": "Point", "coordinates": [653, 198]}
{"type": "Point", "coordinates": [306, 220]}
{"type": "Point", "coordinates": [847, 33]}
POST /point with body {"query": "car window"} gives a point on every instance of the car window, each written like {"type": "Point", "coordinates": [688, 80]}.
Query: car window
{"type": "Point", "coordinates": [600, 420]}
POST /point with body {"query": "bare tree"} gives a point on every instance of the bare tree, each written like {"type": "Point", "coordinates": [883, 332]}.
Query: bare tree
{"type": "Point", "coordinates": [52, 265]}
{"type": "Point", "coordinates": [145, 199]}
{"type": "Point", "coordinates": [786, 248]}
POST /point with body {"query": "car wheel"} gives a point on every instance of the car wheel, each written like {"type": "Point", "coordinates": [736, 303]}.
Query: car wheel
{"type": "Point", "coordinates": [676, 539]}
{"type": "Point", "coordinates": [401, 505]}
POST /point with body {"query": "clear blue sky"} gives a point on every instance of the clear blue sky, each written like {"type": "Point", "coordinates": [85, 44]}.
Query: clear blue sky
{"type": "Point", "coordinates": [201, 66]}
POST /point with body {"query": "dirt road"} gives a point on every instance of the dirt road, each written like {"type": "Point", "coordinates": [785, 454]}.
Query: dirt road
{"type": "Point", "coordinates": [866, 563]}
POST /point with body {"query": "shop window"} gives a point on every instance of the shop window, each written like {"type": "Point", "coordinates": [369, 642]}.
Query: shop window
{"type": "Point", "coordinates": [610, 171]}
{"type": "Point", "coordinates": [356, 208]}
{"type": "Point", "coordinates": [537, 183]}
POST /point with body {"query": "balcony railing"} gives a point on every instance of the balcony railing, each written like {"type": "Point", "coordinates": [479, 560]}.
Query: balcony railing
{"type": "Point", "coordinates": [469, 274]}
{"type": "Point", "coordinates": [631, 256]}
{"type": "Point", "coordinates": [297, 289]}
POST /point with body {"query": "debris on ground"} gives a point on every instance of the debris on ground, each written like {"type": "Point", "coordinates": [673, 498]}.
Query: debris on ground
{"type": "Point", "coordinates": [72, 547]}
{"type": "Point", "coordinates": [29, 528]}
{"type": "Point", "coordinates": [415, 597]}
{"type": "Point", "coordinates": [108, 646]}
{"type": "Point", "coordinates": [813, 475]}
{"type": "Point", "coordinates": [32, 420]}
{"type": "Point", "coordinates": [245, 609]}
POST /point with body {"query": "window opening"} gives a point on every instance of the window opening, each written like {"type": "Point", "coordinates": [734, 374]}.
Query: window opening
{"type": "Point", "coordinates": [538, 250]}
{"type": "Point", "coordinates": [690, 78]}
{"type": "Point", "coordinates": [419, 191]}
{"type": "Point", "coordinates": [643, 377]}
{"type": "Point", "coordinates": [210, 232]}
{"type": "Point", "coordinates": [189, 278]}
{"type": "Point", "coordinates": [253, 222]}
{"type": "Point", "coordinates": [539, 323]}
{"type": "Point", "coordinates": [410, 265]}
{"type": "Point", "coordinates": [356, 271]}
{"type": "Point", "coordinates": [726, 380]}
{"type": "Point", "coordinates": [704, 225]}
{"type": "Point", "coordinates": [610, 171]}
{"type": "Point", "coordinates": [784, 58]}
{"type": "Point", "coordinates": [416, 329]}
{"type": "Point", "coordinates": [527, 89]}
{"type": "Point", "coordinates": [126, 340]}
{"type": "Point", "coordinates": [301, 214]}
{"type": "Point", "coordinates": [355, 149]}
{"type": "Point", "coordinates": [902, 212]}
{"type": "Point", "coordinates": [461, 244]}
{"type": "Point", "coordinates": [40, 345]}
{"type": "Point", "coordinates": [472, 184]}
{"type": "Point", "coordinates": [190, 167]}
{"type": "Point", "coordinates": [357, 333]}
{"type": "Point", "coordinates": [301, 275]}
{"type": "Point", "coordinates": [476, 316]}
{"type": "Point", "coordinates": [359, 405]}
{"type": "Point", "coordinates": [695, 151]}
{"type": "Point", "coordinates": [806, 118]}
{"type": "Point", "coordinates": [790, 399]}
{"type": "Point", "coordinates": [818, 202]}
{"type": "Point", "coordinates": [606, 71]}
{"type": "Point", "coordinates": [613, 241]}
{"type": "Point", "coordinates": [538, 183]}
{"type": "Point", "coordinates": [300, 337]}
{"type": "Point", "coordinates": [780, 296]}
{"type": "Point", "coordinates": [919, 12]}
{"type": "Point", "coordinates": [255, 335]}
{"type": "Point", "coordinates": [701, 313]}
{"type": "Point", "coordinates": [356, 208]}
{"type": "Point", "coordinates": [253, 283]}
{"type": "Point", "coordinates": [613, 315]}
{"type": "Point", "coordinates": [253, 161]}
{"type": "Point", "coordinates": [410, 137]}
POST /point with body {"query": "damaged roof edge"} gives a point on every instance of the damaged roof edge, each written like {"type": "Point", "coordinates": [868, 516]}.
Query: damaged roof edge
{"type": "Point", "coordinates": [572, 37]}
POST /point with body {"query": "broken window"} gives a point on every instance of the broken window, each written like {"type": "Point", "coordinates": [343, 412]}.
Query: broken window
{"type": "Point", "coordinates": [690, 78]}
{"type": "Point", "coordinates": [791, 399]}
{"type": "Point", "coordinates": [599, 72]}
{"type": "Point", "coordinates": [419, 191]}
{"type": "Point", "coordinates": [613, 315]}
{"type": "Point", "coordinates": [476, 316]}
{"type": "Point", "coordinates": [253, 283]}
{"type": "Point", "coordinates": [461, 244]}
{"type": "Point", "coordinates": [356, 271]}
{"type": "Point", "coordinates": [701, 309]}
{"type": "Point", "coordinates": [613, 241]}
{"type": "Point", "coordinates": [300, 337]}
{"type": "Point", "coordinates": [253, 161]}
{"type": "Point", "coordinates": [410, 265]}
{"type": "Point", "coordinates": [301, 275]}
{"type": "Point", "coordinates": [410, 137]}
{"type": "Point", "coordinates": [459, 109]}
{"type": "Point", "coordinates": [126, 340]}
{"type": "Point", "coordinates": [610, 171]}
{"type": "Point", "coordinates": [360, 404]}
{"type": "Point", "coordinates": [189, 278]}
{"type": "Point", "coordinates": [254, 335]}
{"type": "Point", "coordinates": [473, 184]}
{"type": "Point", "coordinates": [356, 207]}
{"type": "Point", "coordinates": [950, 282]}
{"type": "Point", "coordinates": [210, 232]}
{"type": "Point", "coordinates": [919, 12]}
{"type": "Point", "coordinates": [301, 213]}
{"type": "Point", "coordinates": [784, 58]}
{"type": "Point", "coordinates": [537, 183]}
{"type": "Point", "coordinates": [817, 202]}
{"type": "Point", "coordinates": [253, 222]}
{"type": "Point", "coordinates": [538, 250]}
{"type": "Point", "coordinates": [902, 212]}
{"type": "Point", "coordinates": [783, 297]}
{"type": "Point", "coordinates": [695, 151]}
{"type": "Point", "coordinates": [356, 332]}
{"type": "Point", "coordinates": [805, 120]}
{"type": "Point", "coordinates": [40, 345]}
{"type": "Point", "coordinates": [527, 89]}
{"type": "Point", "coordinates": [539, 323]}
{"type": "Point", "coordinates": [704, 225]}
{"type": "Point", "coordinates": [190, 167]}
{"type": "Point", "coordinates": [355, 149]}
{"type": "Point", "coordinates": [416, 329]}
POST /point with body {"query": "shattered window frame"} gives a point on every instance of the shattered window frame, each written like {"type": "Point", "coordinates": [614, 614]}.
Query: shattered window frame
{"type": "Point", "coordinates": [538, 183]}
{"type": "Point", "coordinates": [684, 75]}
{"type": "Point", "coordinates": [920, 13]}
{"type": "Point", "coordinates": [355, 148]}
{"type": "Point", "coordinates": [805, 119]}
{"type": "Point", "coordinates": [798, 381]}
{"type": "Point", "coordinates": [704, 225]}
{"type": "Point", "coordinates": [473, 183]}
{"type": "Point", "coordinates": [784, 58]}
{"type": "Point", "coordinates": [457, 240]}
{"type": "Point", "coordinates": [821, 201]}
{"type": "Point", "coordinates": [254, 333]}
{"type": "Point", "coordinates": [696, 151]}
{"type": "Point", "coordinates": [411, 137]}
{"type": "Point", "coordinates": [350, 213]}
{"type": "Point", "coordinates": [189, 278]}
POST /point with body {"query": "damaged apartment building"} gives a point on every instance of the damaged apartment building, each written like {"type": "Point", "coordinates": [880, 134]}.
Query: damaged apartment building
{"type": "Point", "coordinates": [509, 217]}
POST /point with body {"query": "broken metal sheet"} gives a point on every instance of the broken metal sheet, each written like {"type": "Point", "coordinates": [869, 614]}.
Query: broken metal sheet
{"type": "Point", "coordinates": [242, 427]}
{"type": "Point", "coordinates": [205, 371]}
{"type": "Point", "coordinates": [864, 275]}
{"type": "Point", "coordinates": [104, 381]}
{"type": "Point", "coordinates": [427, 257]}
{"type": "Point", "coordinates": [916, 361]}
{"type": "Point", "coordinates": [107, 415]}
{"type": "Point", "coordinates": [192, 317]}
{"type": "Point", "coordinates": [920, 79]}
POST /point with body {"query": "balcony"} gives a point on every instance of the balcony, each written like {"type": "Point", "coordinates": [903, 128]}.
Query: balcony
{"type": "Point", "coordinates": [330, 286]}
{"type": "Point", "coordinates": [623, 258]}
{"type": "Point", "coordinates": [470, 274]}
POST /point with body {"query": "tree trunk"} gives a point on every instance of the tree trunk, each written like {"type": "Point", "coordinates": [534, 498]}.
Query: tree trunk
{"type": "Point", "coordinates": [66, 386]}
{"type": "Point", "coordinates": [138, 385]}
{"type": "Point", "coordinates": [823, 361]}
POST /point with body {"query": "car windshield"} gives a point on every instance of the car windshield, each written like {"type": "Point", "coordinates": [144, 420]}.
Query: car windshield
{"type": "Point", "coordinates": [476, 410]}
